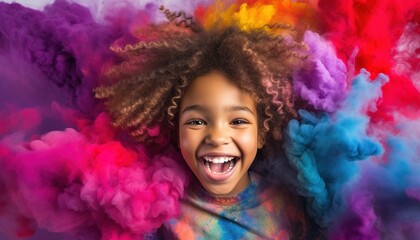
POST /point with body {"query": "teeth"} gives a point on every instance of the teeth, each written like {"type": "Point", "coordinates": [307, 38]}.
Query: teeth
{"type": "Point", "coordinates": [218, 159]}
{"type": "Point", "coordinates": [207, 164]}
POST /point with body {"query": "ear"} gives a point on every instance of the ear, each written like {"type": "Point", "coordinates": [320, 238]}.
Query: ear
{"type": "Point", "coordinates": [261, 141]}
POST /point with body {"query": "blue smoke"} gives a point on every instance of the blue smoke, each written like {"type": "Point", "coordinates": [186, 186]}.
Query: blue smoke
{"type": "Point", "coordinates": [324, 147]}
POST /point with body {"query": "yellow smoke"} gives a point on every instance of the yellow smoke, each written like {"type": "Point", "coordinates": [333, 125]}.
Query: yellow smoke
{"type": "Point", "coordinates": [258, 14]}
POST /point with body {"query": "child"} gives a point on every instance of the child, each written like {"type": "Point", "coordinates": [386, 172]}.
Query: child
{"type": "Point", "coordinates": [226, 95]}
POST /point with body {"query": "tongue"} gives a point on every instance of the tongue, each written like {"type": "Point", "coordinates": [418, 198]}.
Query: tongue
{"type": "Point", "coordinates": [219, 167]}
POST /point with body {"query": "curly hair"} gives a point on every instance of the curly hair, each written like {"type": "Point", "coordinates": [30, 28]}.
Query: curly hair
{"type": "Point", "coordinates": [149, 85]}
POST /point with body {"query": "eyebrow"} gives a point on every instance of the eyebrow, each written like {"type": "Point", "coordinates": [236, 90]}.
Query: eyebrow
{"type": "Point", "coordinates": [200, 108]}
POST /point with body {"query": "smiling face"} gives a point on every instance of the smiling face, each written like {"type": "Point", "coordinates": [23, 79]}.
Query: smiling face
{"type": "Point", "coordinates": [218, 133]}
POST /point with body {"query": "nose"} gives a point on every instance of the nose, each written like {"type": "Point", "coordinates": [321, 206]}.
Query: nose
{"type": "Point", "coordinates": [217, 135]}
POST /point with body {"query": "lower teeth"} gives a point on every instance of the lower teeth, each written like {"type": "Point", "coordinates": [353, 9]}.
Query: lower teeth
{"type": "Point", "coordinates": [231, 164]}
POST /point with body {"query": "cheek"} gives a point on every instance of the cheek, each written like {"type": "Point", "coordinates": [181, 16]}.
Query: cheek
{"type": "Point", "coordinates": [185, 146]}
{"type": "Point", "coordinates": [187, 142]}
{"type": "Point", "coordinates": [249, 138]}
{"type": "Point", "coordinates": [248, 142]}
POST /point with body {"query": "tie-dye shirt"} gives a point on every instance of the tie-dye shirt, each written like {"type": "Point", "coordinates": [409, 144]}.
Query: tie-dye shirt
{"type": "Point", "coordinates": [261, 211]}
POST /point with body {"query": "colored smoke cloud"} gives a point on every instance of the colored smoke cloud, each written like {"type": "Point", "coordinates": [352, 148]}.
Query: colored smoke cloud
{"type": "Point", "coordinates": [322, 82]}
{"type": "Point", "coordinates": [64, 169]}
{"type": "Point", "coordinates": [65, 181]}
{"type": "Point", "coordinates": [324, 148]}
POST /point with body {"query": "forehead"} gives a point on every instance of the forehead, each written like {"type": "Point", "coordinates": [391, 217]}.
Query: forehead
{"type": "Point", "coordinates": [216, 90]}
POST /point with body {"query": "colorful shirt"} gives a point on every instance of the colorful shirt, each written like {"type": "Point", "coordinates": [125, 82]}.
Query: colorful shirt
{"type": "Point", "coordinates": [261, 211]}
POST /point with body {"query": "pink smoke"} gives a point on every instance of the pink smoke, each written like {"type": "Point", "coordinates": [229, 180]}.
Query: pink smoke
{"type": "Point", "coordinates": [66, 181]}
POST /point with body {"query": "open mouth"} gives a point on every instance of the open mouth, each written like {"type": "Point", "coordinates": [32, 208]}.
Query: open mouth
{"type": "Point", "coordinates": [219, 165]}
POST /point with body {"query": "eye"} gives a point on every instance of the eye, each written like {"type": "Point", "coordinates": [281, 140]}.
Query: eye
{"type": "Point", "coordinates": [196, 122]}
{"type": "Point", "coordinates": [239, 122]}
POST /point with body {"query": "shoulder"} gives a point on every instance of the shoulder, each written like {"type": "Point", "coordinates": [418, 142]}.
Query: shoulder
{"type": "Point", "coordinates": [271, 191]}
{"type": "Point", "coordinates": [290, 206]}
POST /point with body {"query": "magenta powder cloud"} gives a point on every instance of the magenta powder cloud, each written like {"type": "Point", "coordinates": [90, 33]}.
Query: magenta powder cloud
{"type": "Point", "coordinates": [65, 181]}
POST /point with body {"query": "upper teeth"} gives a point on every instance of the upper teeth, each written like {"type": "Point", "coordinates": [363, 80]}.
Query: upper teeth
{"type": "Point", "coordinates": [218, 159]}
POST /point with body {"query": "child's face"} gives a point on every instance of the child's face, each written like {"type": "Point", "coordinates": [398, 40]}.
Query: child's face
{"type": "Point", "coordinates": [218, 133]}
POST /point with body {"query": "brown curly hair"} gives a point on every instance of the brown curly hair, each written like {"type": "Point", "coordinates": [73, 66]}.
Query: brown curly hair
{"type": "Point", "coordinates": [149, 85]}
